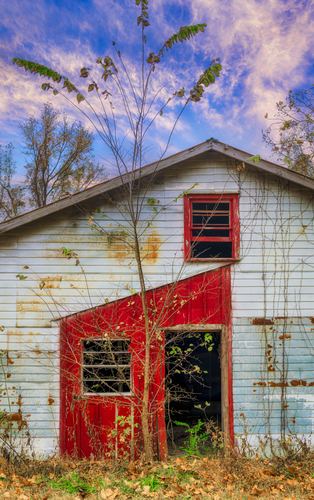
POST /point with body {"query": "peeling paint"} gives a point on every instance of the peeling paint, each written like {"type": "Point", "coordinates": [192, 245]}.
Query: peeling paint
{"type": "Point", "coordinates": [20, 333]}
{"type": "Point", "coordinates": [9, 360]}
{"type": "Point", "coordinates": [28, 306]}
{"type": "Point", "coordinates": [285, 336]}
{"type": "Point", "coordinates": [151, 249]}
{"type": "Point", "coordinates": [262, 321]}
{"type": "Point", "coordinates": [296, 383]}
{"type": "Point", "coordinates": [50, 400]}
{"type": "Point", "coordinates": [119, 249]}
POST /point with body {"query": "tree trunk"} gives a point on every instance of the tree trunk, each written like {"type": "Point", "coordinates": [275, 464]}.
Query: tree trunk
{"type": "Point", "coordinates": [145, 414]}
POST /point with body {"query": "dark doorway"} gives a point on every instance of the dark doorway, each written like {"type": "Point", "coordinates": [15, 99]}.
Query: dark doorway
{"type": "Point", "coordinates": [193, 383]}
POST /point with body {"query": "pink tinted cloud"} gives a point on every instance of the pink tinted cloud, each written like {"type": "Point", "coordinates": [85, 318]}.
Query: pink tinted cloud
{"type": "Point", "coordinates": [263, 46]}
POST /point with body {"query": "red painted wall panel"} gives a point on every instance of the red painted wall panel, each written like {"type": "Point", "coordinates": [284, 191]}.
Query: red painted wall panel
{"type": "Point", "coordinates": [87, 422]}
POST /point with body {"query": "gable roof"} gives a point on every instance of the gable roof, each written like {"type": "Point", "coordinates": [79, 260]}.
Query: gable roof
{"type": "Point", "coordinates": [107, 186]}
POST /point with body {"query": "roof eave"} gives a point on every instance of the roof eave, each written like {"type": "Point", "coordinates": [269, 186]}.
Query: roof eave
{"type": "Point", "coordinates": [154, 168]}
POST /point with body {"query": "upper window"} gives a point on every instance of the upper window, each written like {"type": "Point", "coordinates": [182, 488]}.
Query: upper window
{"type": "Point", "coordinates": [211, 227]}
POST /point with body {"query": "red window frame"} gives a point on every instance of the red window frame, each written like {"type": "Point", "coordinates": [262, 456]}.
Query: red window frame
{"type": "Point", "coordinates": [234, 226]}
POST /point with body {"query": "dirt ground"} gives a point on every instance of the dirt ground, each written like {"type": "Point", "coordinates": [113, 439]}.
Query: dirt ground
{"type": "Point", "coordinates": [182, 478]}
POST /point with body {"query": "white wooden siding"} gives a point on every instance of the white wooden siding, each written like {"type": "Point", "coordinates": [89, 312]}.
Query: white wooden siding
{"type": "Point", "coordinates": [274, 278]}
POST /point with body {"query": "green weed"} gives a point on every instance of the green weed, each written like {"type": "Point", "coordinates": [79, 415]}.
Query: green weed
{"type": "Point", "coordinates": [74, 483]}
{"type": "Point", "coordinates": [196, 438]}
{"type": "Point", "coordinates": [153, 481]}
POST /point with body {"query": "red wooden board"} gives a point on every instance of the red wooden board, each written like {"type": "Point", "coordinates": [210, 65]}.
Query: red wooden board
{"type": "Point", "coordinates": [89, 424]}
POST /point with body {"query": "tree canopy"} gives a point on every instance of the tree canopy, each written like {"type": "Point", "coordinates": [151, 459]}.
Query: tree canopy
{"type": "Point", "coordinates": [12, 200]}
{"type": "Point", "coordinates": [291, 133]}
{"type": "Point", "coordinates": [60, 156]}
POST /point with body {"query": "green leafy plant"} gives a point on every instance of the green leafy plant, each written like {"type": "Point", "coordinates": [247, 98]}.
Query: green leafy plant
{"type": "Point", "coordinates": [185, 192]}
{"type": "Point", "coordinates": [69, 254]}
{"type": "Point", "coordinates": [153, 481]}
{"type": "Point", "coordinates": [254, 159]}
{"type": "Point", "coordinates": [123, 431]}
{"type": "Point", "coordinates": [76, 483]}
{"type": "Point", "coordinates": [196, 437]}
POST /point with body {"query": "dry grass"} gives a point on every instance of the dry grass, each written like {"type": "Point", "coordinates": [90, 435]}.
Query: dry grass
{"type": "Point", "coordinates": [182, 478]}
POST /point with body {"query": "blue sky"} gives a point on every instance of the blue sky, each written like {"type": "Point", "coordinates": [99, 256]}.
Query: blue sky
{"type": "Point", "coordinates": [265, 47]}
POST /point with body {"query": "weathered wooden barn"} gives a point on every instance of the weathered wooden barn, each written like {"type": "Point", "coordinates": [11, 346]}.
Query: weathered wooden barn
{"type": "Point", "coordinates": [236, 240]}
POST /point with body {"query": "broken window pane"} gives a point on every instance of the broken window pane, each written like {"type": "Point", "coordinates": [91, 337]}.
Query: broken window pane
{"type": "Point", "coordinates": [211, 249]}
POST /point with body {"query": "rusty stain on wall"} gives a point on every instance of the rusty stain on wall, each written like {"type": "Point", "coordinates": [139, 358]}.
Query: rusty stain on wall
{"type": "Point", "coordinates": [278, 384]}
{"type": "Point", "coordinates": [293, 383]}
{"type": "Point", "coordinates": [120, 248]}
{"type": "Point", "coordinates": [50, 400]}
{"type": "Point", "coordinates": [29, 306]}
{"type": "Point", "coordinates": [296, 383]}
{"type": "Point", "coordinates": [285, 336]}
{"type": "Point", "coordinates": [262, 321]}
{"type": "Point", "coordinates": [18, 417]}
{"type": "Point", "coordinates": [151, 248]}
{"type": "Point", "coordinates": [9, 360]}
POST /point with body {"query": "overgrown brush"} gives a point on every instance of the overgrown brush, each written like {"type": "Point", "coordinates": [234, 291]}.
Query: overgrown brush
{"type": "Point", "coordinates": [182, 478]}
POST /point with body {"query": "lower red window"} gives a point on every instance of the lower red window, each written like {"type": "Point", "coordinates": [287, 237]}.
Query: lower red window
{"type": "Point", "coordinates": [211, 227]}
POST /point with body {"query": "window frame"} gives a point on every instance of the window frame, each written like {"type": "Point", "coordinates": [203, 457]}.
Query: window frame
{"type": "Point", "coordinates": [83, 365]}
{"type": "Point", "coordinates": [234, 226]}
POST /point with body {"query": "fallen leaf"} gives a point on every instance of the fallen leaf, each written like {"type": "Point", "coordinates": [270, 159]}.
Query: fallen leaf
{"type": "Point", "coordinates": [199, 491]}
{"type": "Point", "coordinates": [6, 495]}
{"type": "Point", "coordinates": [256, 491]}
{"type": "Point", "coordinates": [292, 470]}
{"type": "Point", "coordinates": [146, 489]}
{"type": "Point", "coordinates": [109, 494]}
{"type": "Point", "coordinates": [129, 484]}
{"type": "Point", "coordinates": [106, 493]}
{"type": "Point", "coordinates": [269, 472]}
{"type": "Point", "coordinates": [171, 494]}
{"type": "Point", "coordinates": [292, 481]}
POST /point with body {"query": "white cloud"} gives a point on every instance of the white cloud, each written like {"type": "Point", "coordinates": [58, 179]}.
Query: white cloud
{"type": "Point", "coordinates": [264, 49]}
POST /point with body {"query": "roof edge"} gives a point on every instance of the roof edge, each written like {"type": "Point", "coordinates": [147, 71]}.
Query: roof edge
{"type": "Point", "coordinates": [104, 187]}
{"type": "Point", "coordinates": [154, 168]}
